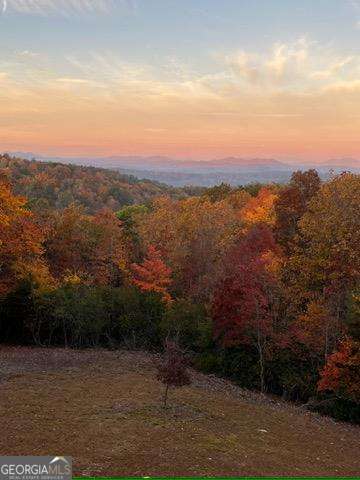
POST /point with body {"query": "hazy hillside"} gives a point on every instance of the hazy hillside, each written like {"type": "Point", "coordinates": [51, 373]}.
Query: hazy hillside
{"type": "Point", "coordinates": [212, 178]}
{"type": "Point", "coordinates": [205, 173]}
{"type": "Point", "coordinates": [58, 185]}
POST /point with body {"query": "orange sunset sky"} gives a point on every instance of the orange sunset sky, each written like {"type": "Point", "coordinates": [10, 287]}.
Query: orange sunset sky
{"type": "Point", "coordinates": [199, 79]}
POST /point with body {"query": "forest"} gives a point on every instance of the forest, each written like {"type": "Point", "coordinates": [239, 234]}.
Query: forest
{"type": "Point", "coordinates": [57, 185]}
{"type": "Point", "coordinates": [260, 285]}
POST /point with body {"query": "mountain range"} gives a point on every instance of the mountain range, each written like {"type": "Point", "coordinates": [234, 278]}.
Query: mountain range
{"type": "Point", "coordinates": [181, 172]}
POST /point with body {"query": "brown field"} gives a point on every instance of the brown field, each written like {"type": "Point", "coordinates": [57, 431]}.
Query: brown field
{"type": "Point", "coordinates": [103, 409]}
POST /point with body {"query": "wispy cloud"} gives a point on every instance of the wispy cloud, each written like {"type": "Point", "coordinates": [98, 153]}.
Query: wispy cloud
{"type": "Point", "coordinates": [66, 8]}
{"type": "Point", "coordinates": [298, 66]}
{"type": "Point", "coordinates": [289, 91]}
{"type": "Point", "coordinates": [279, 66]}
{"type": "Point", "coordinates": [27, 54]}
{"type": "Point", "coordinates": [356, 6]}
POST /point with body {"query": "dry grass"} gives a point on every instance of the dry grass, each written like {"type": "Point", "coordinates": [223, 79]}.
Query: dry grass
{"type": "Point", "coordinates": [103, 409]}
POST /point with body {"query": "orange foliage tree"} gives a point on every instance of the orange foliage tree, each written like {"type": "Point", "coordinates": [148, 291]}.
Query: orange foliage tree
{"type": "Point", "coordinates": [20, 240]}
{"type": "Point", "coordinates": [92, 247]}
{"type": "Point", "coordinates": [260, 209]}
{"type": "Point", "coordinates": [318, 329]}
{"type": "Point", "coordinates": [193, 235]}
{"type": "Point", "coordinates": [153, 275]}
{"type": "Point", "coordinates": [341, 373]}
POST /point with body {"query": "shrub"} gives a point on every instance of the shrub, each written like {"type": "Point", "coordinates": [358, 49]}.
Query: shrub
{"type": "Point", "coordinates": [172, 368]}
{"type": "Point", "coordinates": [188, 324]}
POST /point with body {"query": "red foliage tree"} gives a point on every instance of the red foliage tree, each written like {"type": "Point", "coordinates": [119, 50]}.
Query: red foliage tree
{"type": "Point", "coordinates": [172, 368]}
{"type": "Point", "coordinates": [341, 373]}
{"type": "Point", "coordinates": [153, 275]}
{"type": "Point", "coordinates": [245, 304]}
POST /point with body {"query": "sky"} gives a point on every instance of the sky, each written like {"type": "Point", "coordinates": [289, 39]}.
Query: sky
{"type": "Point", "coordinates": [189, 79]}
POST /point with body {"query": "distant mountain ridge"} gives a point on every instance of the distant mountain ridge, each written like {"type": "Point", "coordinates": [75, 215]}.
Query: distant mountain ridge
{"type": "Point", "coordinates": [182, 172]}
{"type": "Point", "coordinates": [164, 162]}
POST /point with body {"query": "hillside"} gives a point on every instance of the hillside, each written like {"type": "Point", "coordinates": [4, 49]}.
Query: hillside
{"type": "Point", "coordinates": [103, 409]}
{"type": "Point", "coordinates": [58, 185]}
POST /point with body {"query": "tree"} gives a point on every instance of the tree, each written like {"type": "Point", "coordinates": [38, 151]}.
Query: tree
{"type": "Point", "coordinates": [260, 209]}
{"type": "Point", "coordinates": [341, 373]}
{"type": "Point", "coordinates": [308, 183]}
{"type": "Point", "coordinates": [172, 368]}
{"type": "Point", "coordinates": [20, 241]}
{"type": "Point", "coordinates": [330, 233]}
{"type": "Point", "coordinates": [291, 204]}
{"type": "Point", "coordinates": [218, 192]}
{"type": "Point", "coordinates": [153, 275]}
{"type": "Point", "coordinates": [318, 329]}
{"type": "Point", "coordinates": [110, 253]}
{"type": "Point", "coordinates": [324, 265]}
{"type": "Point", "coordinates": [130, 216]}
{"type": "Point", "coordinates": [245, 304]}
{"type": "Point", "coordinates": [192, 235]}
{"type": "Point", "coordinates": [92, 247]}
{"type": "Point", "coordinates": [187, 323]}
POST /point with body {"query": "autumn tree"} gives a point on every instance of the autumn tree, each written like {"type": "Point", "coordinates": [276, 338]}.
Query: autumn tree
{"type": "Point", "coordinates": [20, 241]}
{"type": "Point", "coordinates": [245, 304]}
{"type": "Point", "coordinates": [92, 247]}
{"type": "Point", "coordinates": [318, 330]}
{"type": "Point", "coordinates": [129, 217]}
{"type": "Point", "coordinates": [326, 262]}
{"type": "Point", "coordinates": [109, 261]}
{"type": "Point", "coordinates": [218, 192]}
{"type": "Point", "coordinates": [153, 275]}
{"type": "Point", "coordinates": [341, 374]}
{"type": "Point", "coordinates": [260, 209]}
{"type": "Point", "coordinates": [291, 204]}
{"type": "Point", "coordinates": [330, 230]}
{"type": "Point", "coordinates": [172, 368]}
{"type": "Point", "coordinates": [192, 235]}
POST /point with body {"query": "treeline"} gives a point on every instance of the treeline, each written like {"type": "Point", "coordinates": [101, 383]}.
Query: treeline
{"type": "Point", "coordinates": [56, 185]}
{"type": "Point", "coordinates": [262, 284]}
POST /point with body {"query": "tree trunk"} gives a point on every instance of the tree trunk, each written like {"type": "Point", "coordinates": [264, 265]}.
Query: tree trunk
{"type": "Point", "coordinates": [261, 362]}
{"type": "Point", "coordinates": [165, 396]}
{"type": "Point", "coordinates": [260, 352]}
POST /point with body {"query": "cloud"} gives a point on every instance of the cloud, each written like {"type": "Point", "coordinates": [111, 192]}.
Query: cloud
{"type": "Point", "coordinates": [293, 96]}
{"type": "Point", "coordinates": [349, 86]}
{"type": "Point", "coordinates": [67, 8]}
{"type": "Point", "coordinates": [332, 69]}
{"type": "Point", "coordinates": [28, 54]}
{"type": "Point", "coordinates": [80, 81]}
{"type": "Point", "coordinates": [298, 66]}
{"type": "Point", "coordinates": [285, 61]}
{"type": "Point", "coordinates": [301, 67]}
